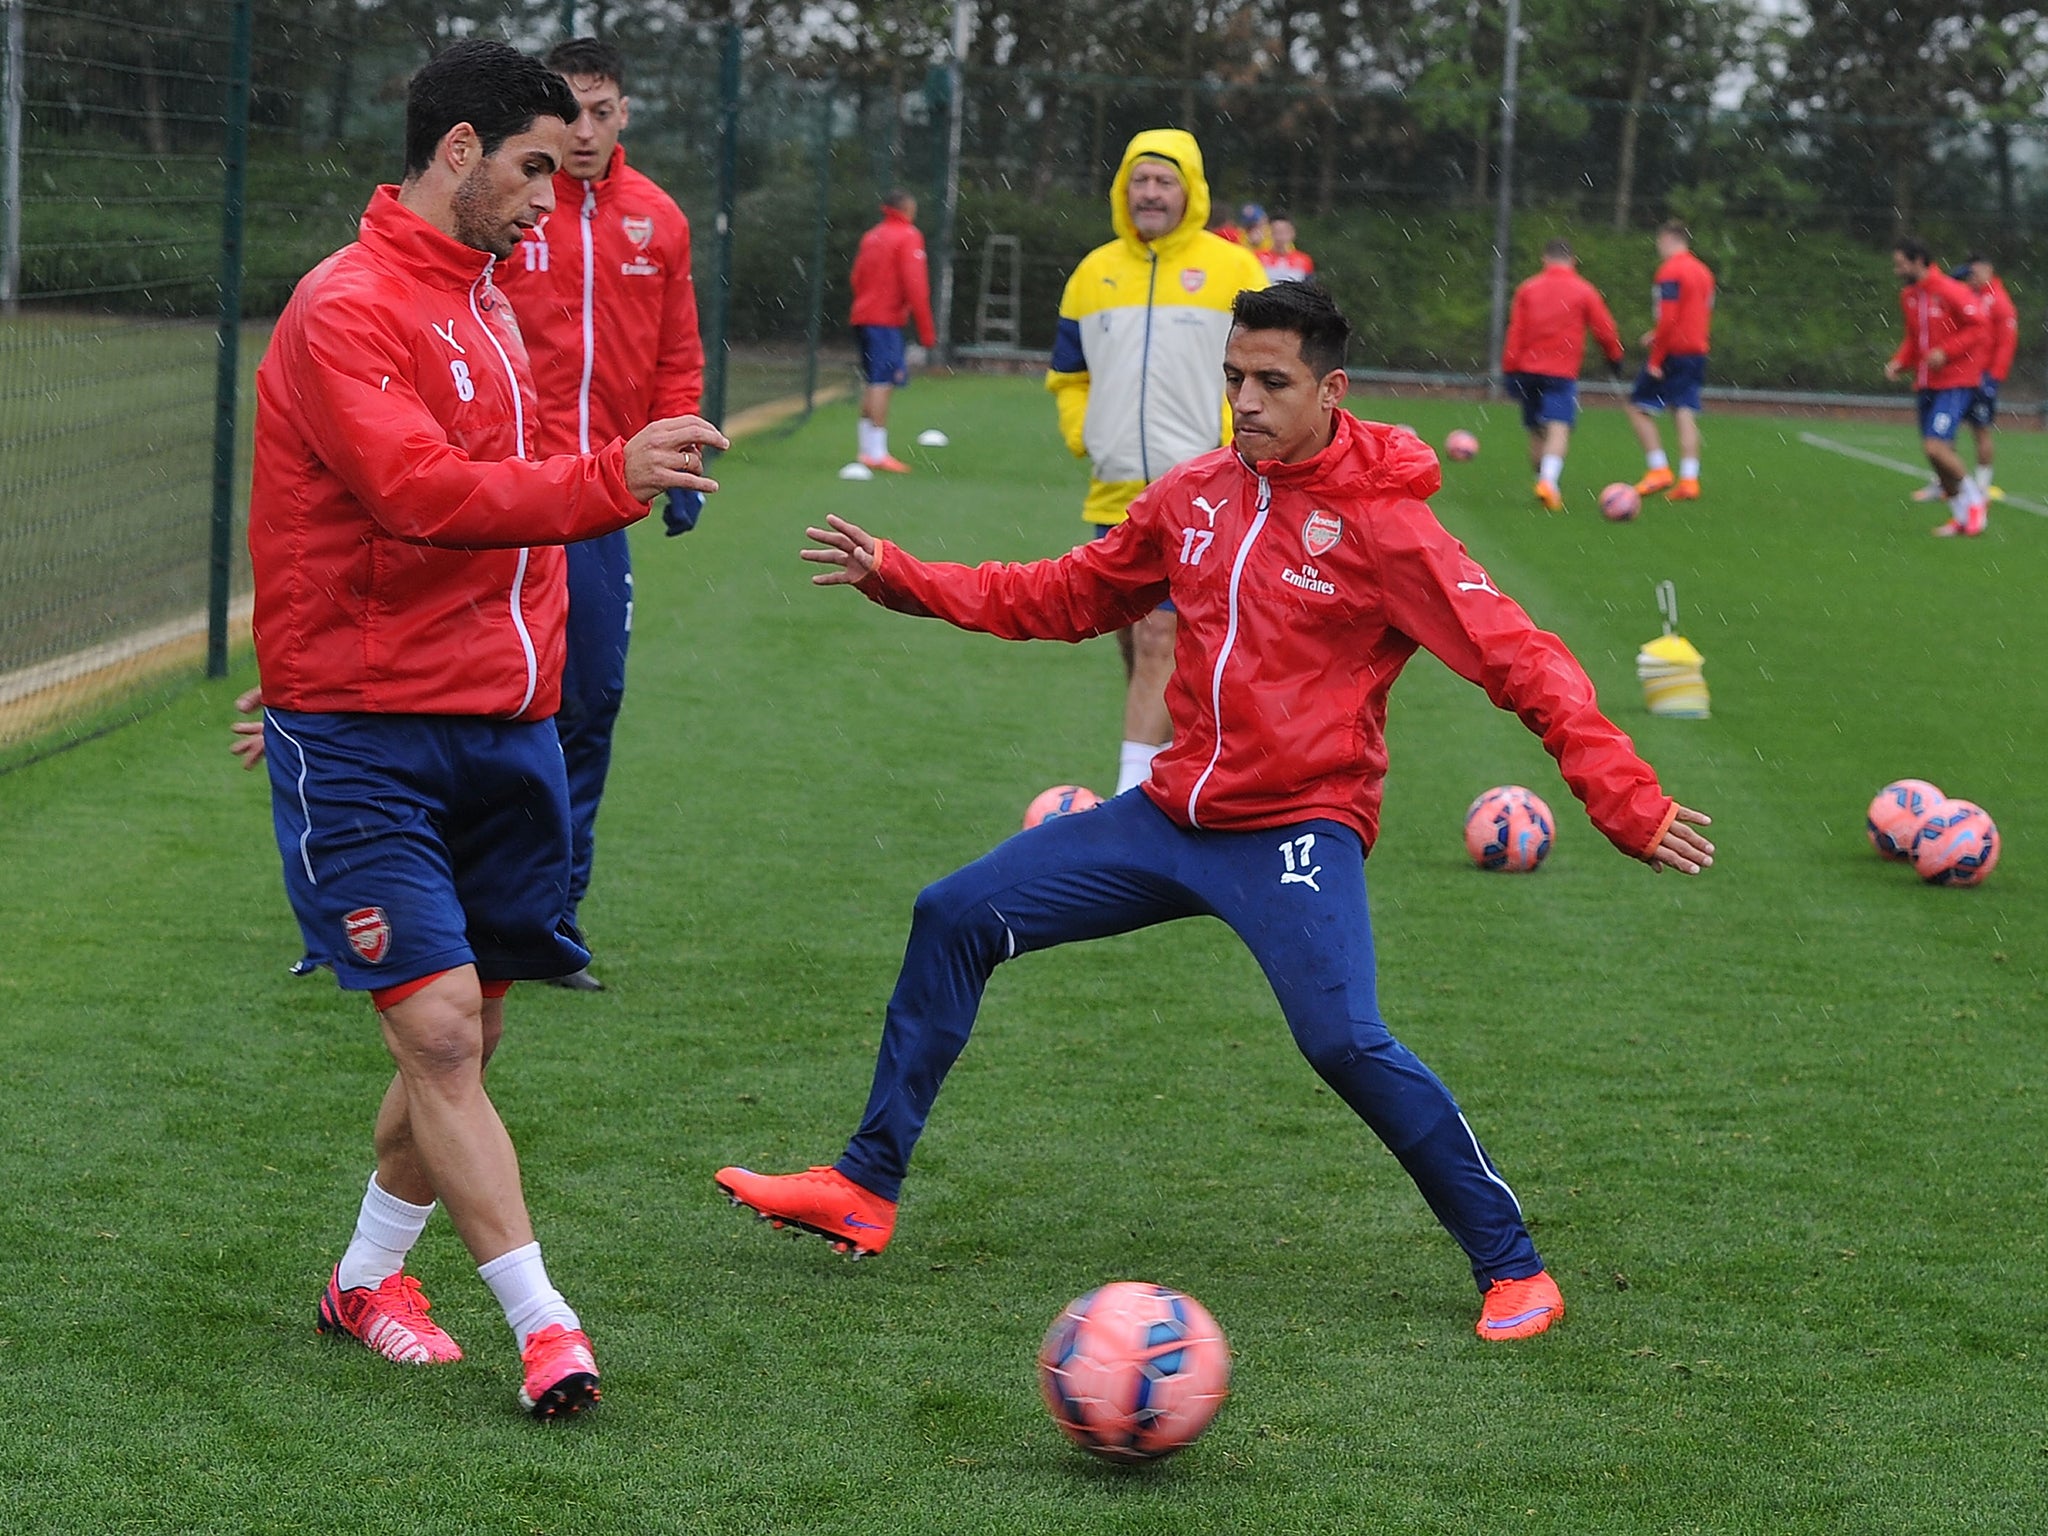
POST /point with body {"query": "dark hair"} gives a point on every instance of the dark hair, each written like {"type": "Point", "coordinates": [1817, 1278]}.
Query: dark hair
{"type": "Point", "coordinates": [590, 57]}
{"type": "Point", "coordinates": [1307, 310]}
{"type": "Point", "coordinates": [497, 90]}
{"type": "Point", "coordinates": [898, 199]}
{"type": "Point", "coordinates": [1675, 227]}
{"type": "Point", "coordinates": [1913, 248]}
{"type": "Point", "coordinates": [1975, 257]}
{"type": "Point", "coordinates": [1557, 250]}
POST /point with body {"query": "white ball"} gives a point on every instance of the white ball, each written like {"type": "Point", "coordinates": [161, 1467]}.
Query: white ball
{"type": "Point", "coordinates": [855, 471]}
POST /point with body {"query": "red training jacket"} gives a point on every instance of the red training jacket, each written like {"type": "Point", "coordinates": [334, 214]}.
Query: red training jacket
{"type": "Point", "coordinates": [1682, 298]}
{"type": "Point", "coordinates": [891, 285]}
{"type": "Point", "coordinates": [2004, 317]}
{"type": "Point", "coordinates": [401, 536]}
{"type": "Point", "coordinates": [1548, 322]}
{"type": "Point", "coordinates": [1943, 315]}
{"type": "Point", "coordinates": [1302, 590]}
{"type": "Point", "coordinates": [604, 294]}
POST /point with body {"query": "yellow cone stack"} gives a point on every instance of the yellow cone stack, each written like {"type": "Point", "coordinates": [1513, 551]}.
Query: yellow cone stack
{"type": "Point", "coordinates": [1674, 678]}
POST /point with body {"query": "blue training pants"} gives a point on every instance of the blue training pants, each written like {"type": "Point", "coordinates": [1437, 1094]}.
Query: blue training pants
{"type": "Point", "coordinates": [593, 687]}
{"type": "Point", "coordinates": [1294, 894]}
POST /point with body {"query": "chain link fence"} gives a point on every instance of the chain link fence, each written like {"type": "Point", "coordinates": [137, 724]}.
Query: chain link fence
{"type": "Point", "coordinates": [121, 250]}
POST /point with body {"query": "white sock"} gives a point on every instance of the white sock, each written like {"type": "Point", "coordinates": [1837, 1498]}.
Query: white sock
{"type": "Point", "coordinates": [1959, 504]}
{"type": "Point", "coordinates": [867, 439]}
{"type": "Point", "coordinates": [520, 1282]}
{"type": "Point", "coordinates": [1984, 477]}
{"type": "Point", "coordinates": [1656, 460]}
{"type": "Point", "coordinates": [1134, 763]}
{"type": "Point", "coordinates": [386, 1229]}
{"type": "Point", "coordinates": [1688, 469]}
{"type": "Point", "coordinates": [1553, 466]}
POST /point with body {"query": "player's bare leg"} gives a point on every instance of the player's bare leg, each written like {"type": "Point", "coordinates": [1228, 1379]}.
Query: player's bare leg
{"type": "Point", "coordinates": [1547, 449]}
{"type": "Point", "coordinates": [874, 429]}
{"type": "Point", "coordinates": [1688, 486]}
{"type": "Point", "coordinates": [439, 1133]}
{"type": "Point", "coordinates": [1147, 727]}
{"type": "Point", "coordinates": [1965, 500]}
{"type": "Point", "coordinates": [1651, 440]}
{"type": "Point", "coordinates": [1987, 455]}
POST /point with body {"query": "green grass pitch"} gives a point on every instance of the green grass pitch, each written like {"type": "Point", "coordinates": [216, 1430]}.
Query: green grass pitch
{"type": "Point", "coordinates": [1779, 1130]}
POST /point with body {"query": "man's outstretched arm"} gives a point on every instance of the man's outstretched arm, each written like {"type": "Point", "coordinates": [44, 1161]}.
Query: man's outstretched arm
{"type": "Point", "coordinates": [1100, 587]}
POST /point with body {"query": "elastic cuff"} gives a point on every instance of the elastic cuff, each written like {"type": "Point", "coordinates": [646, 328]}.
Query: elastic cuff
{"type": "Point", "coordinates": [1670, 815]}
{"type": "Point", "coordinates": [385, 997]}
{"type": "Point", "coordinates": [494, 989]}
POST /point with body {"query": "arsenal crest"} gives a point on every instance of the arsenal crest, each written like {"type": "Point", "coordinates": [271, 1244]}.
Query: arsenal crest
{"type": "Point", "coordinates": [639, 231]}
{"type": "Point", "coordinates": [1319, 535]}
{"type": "Point", "coordinates": [369, 933]}
{"type": "Point", "coordinates": [1192, 278]}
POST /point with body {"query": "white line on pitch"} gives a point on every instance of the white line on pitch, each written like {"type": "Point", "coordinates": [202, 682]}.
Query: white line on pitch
{"type": "Point", "coordinates": [1917, 471]}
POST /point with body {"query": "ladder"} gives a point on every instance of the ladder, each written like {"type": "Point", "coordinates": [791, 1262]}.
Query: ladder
{"type": "Point", "coordinates": [996, 316]}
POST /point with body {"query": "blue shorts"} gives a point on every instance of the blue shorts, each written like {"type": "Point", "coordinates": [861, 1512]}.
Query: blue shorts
{"type": "Point", "coordinates": [1684, 374]}
{"type": "Point", "coordinates": [881, 355]}
{"type": "Point", "coordinates": [1942, 412]}
{"type": "Point", "coordinates": [413, 844]}
{"type": "Point", "coordinates": [1545, 397]}
{"type": "Point", "coordinates": [1103, 531]}
{"type": "Point", "coordinates": [1983, 411]}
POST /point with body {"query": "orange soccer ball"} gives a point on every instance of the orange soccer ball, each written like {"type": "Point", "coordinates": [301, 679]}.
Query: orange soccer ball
{"type": "Point", "coordinates": [1134, 1372]}
{"type": "Point", "coordinates": [1508, 829]}
{"type": "Point", "coordinates": [1619, 502]}
{"type": "Point", "coordinates": [1060, 800]}
{"type": "Point", "coordinates": [1957, 844]}
{"type": "Point", "coordinates": [1896, 815]}
{"type": "Point", "coordinates": [1461, 445]}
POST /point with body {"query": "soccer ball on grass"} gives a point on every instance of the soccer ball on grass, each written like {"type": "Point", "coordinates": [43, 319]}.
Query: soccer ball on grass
{"type": "Point", "coordinates": [1508, 829]}
{"type": "Point", "coordinates": [1134, 1372]}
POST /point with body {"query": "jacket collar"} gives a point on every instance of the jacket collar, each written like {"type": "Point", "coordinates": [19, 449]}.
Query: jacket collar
{"type": "Point", "coordinates": [897, 214]}
{"type": "Point", "coordinates": [1361, 458]}
{"type": "Point", "coordinates": [568, 186]}
{"type": "Point", "coordinates": [411, 242]}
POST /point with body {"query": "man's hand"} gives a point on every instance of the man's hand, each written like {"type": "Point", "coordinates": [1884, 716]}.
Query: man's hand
{"type": "Point", "coordinates": [1682, 848]}
{"type": "Point", "coordinates": [668, 455]}
{"type": "Point", "coordinates": [1648, 337]}
{"type": "Point", "coordinates": [1892, 371]}
{"type": "Point", "coordinates": [1936, 358]}
{"type": "Point", "coordinates": [849, 550]}
{"type": "Point", "coordinates": [248, 734]}
{"type": "Point", "coordinates": [1654, 370]}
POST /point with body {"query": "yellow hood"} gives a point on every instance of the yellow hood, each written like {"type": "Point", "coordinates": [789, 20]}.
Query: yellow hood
{"type": "Point", "coordinates": [1180, 147]}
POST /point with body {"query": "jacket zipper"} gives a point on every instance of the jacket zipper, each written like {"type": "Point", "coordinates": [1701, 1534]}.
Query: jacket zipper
{"type": "Point", "coordinates": [518, 452]}
{"type": "Point", "coordinates": [589, 330]}
{"type": "Point", "coordinates": [1145, 370]}
{"type": "Point", "coordinates": [1265, 501]}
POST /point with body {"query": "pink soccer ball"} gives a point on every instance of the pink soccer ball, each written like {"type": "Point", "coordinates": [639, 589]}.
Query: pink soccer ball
{"type": "Point", "coordinates": [1060, 800]}
{"type": "Point", "coordinates": [1956, 845]}
{"type": "Point", "coordinates": [1461, 445]}
{"type": "Point", "coordinates": [1896, 814]}
{"type": "Point", "coordinates": [1508, 829]}
{"type": "Point", "coordinates": [1134, 1372]}
{"type": "Point", "coordinates": [1619, 502]}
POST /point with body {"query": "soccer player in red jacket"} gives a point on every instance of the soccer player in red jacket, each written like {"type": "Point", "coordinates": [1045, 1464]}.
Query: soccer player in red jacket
{"type": "Point", "coordinates": [1948, 341]}
{"type": "Point", "coordinates": [891, 289]}
{"type": "Point", "coordinates": [1546, 343]}
{"type": "Point", "coordinates": [603, 291]}
{"type": "Point", "coordinates": [1682, 298]}
{"type": "Point", "coordinates": [1307, 569]}
{"type": "Point", "coordinates": [404, 534]}
{"type": "Point", "coordinates": [2004, 319]}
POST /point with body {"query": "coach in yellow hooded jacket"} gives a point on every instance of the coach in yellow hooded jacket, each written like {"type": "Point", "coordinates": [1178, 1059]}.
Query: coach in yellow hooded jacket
{"type": "Point", "coordinates": [1137, 369]}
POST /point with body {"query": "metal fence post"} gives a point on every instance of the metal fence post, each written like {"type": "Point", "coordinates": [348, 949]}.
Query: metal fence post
{"type": "Point", "coordinates": [11, 92]}
{"type": "Point", "coordinates": [1504, 210]}
{"type": "Point", "coordinates": [815, 322]}
{"type": "Point", "coordinates": [234, 166]}
{"type": "Point", "coordinates": [949, 208]}
{"type": "Point", "coordinates": [717, 351]}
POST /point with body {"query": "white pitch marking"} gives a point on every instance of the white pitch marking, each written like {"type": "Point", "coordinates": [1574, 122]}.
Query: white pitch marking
{"type": "Point", "coordinates": [1917, 471]}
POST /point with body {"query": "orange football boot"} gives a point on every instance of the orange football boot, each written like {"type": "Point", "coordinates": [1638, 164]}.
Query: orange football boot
{"type": "Point", "coordinates": [888, 462]}
{"type": "Point", "coordinates": [1551, 497]}
{"type": "Point", "coordinates": [821, 1201]}
{"type": "Point", "coordinates": [1656, 480]}
{"type": "Point", "coordinates": [1685, 490]}
{"type": "Point", "coordinates": [1520, 1309]}
{"type": "Point", "coordinates": [390, 1318]}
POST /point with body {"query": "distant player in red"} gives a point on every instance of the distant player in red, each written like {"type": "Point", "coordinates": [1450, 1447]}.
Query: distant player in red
{"type": "Point", "coordinates": [1546, 343]}
{"type": "Point", "coordinates": [1682, 299]}
{"type": "Point", "coordinates": [1308, 569]}
{"type": "Point", "coordinates": [2004, 318]}
{"type": "Point", "coordinates": [1284, 261]}
{"type": "Point", "coordinates": [891, 289]}
{"type": "Point", "coordinates": [1947, 347]}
